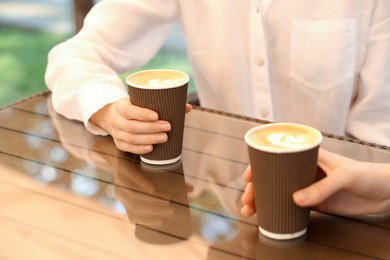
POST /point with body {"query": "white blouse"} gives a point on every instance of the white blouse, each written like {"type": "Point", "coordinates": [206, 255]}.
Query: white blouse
{"type": "Point", "coordinates": [324, 63]}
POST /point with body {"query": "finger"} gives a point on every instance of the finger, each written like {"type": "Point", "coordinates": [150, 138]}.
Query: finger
{"type": "Point", "coordinates": [140, 139]}
{"type": "Point", "coordinates": [247, 210]}
{"type": "Point", "coordinates": [140, 127]}
{"type": "Point", "coordinates": [321, 190]}
{"type": "Point", "coordinates": [247, 176]}
{"type": "Point", "coordinates": [136, 149]}
{"type": "Point", "coordinates": [133, 119]}
{"type": "Point", "coordinates": [188, 108]}
{"type": "Point", "coordinates": [248, 197]}
{"type": "Point", "coordinates": [132, 112]}
{"type": "Point", "coordinates": [328, 160]}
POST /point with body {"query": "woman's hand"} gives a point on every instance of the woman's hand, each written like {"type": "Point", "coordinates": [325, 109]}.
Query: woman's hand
{"type": "Point", "coordinates": [350, 188]}
{"type": "Point", "coordinates": [134, 129]}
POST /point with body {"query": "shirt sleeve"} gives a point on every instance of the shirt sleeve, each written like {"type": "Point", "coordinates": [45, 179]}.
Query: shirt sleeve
{"type": "Point", "coordinates": [369, 117]}
{"type": "Point", "coordinates": [118, 36]}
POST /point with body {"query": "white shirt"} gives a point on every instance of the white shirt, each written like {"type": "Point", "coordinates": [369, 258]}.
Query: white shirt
{"type": "Point", "coordinates": [324, 63]}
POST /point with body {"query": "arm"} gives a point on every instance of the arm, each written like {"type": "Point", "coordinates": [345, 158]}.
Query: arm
{"type": "Point", "coordinates": [118, 36]}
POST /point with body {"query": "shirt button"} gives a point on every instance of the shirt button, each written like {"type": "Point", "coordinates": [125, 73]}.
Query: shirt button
{"type": "Point", "coordinates": [259, 62]}
{"type": "Point", "coordinates": [264, 113]}
{"type": "Point", "coordinates": [258, 9]}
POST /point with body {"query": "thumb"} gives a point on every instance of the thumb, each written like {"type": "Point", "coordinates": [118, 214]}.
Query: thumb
{"type": "Point", "coordinates": [320, 191]}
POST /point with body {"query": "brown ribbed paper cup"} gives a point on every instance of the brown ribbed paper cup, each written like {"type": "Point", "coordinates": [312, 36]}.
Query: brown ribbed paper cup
{"type": "Point", "coordinates": [283, 158]}
{"type": "Point", "coordinates": [165, 92]}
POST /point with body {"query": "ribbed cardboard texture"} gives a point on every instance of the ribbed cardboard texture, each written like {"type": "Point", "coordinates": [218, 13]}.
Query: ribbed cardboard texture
{"type": "Point", "coordinates": [170, 105]}
{"type": "Point", "coordinates": [275, 178]}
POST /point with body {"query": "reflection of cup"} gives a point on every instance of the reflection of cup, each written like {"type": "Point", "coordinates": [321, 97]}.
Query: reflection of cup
{"type": "Point", "coordinates": [163, 91]}
{"type": "Point", "coordinates": [169, 183]}
{"type": "Point", "coordinates": [283, 158]}
{"type": "Point", "coordinates": [155, 198]}
{"type": "Point", "coordinates": [268, 248]}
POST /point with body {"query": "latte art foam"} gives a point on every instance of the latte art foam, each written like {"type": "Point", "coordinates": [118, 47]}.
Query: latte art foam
{"type": "Point", "coordinates": [157, 79]}
{"type": "Point", "coordinates": [283, 137]}
{"type": "Point", "coordinates": [288, 140]}
{"type": "Point", "coordinates": [164, 82]}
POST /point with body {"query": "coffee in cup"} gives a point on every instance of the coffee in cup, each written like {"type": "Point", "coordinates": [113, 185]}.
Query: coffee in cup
{"type": "Point", "coordinates": [158, 79]}
{"type": "Point", "coordinates": [284, 137]}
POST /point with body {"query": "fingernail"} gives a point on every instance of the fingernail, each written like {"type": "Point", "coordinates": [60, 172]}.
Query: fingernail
{"type": "Point", "coordinates": [165, 127]}
{"type": "Point", "coordinates": [153, 116]}
{"type": "Point", "coordinates": [148, 148]}
{"type": "Point", "coordinates": [301, 196]}
{"type": "Point", "coordinates": [162, 138]}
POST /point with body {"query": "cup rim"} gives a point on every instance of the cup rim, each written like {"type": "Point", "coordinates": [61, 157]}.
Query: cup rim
{"type": "Point", "coordinates": [156, 88]}
{"type": "Point", "coordinates": [280, 151]}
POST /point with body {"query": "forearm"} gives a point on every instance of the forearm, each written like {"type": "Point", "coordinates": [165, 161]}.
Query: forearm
{"type": "Point", "coordinates": [80, 82]}
{"type": "Point", "coordinates": [82, 72]}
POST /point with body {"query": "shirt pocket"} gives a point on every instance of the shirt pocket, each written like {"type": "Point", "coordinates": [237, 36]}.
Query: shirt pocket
{"type": "Point", "coordinates": [323, 52]}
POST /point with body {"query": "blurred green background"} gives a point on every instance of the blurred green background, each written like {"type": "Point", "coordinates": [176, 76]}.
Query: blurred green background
{"type": "Point", "coordinates": [23, 61]}
{"type": "Point", "coordinates": [24, 48]}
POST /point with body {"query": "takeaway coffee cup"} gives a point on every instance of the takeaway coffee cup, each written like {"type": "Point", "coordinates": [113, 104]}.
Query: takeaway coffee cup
{"type": "Point", "coordinates": [163, 91]}
{"type": "Point", "coordinates": [283, 158]}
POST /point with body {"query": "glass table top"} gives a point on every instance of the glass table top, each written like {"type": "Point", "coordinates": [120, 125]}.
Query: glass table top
{"type": "Point", "coordinates": [67, 193]}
